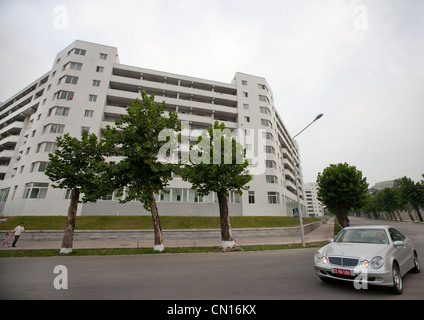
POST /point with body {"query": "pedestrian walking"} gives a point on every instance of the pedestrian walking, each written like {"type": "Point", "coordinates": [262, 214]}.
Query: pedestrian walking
{"type": "Point", "coordinates": [6, 241]}
{"type": "Point", "coordinates": [17, 232]}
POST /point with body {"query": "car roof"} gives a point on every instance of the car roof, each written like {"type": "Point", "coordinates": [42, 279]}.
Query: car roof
{"type": "Point", "coordinates": [369, 227]}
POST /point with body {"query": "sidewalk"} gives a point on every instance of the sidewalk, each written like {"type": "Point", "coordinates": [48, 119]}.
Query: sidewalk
{"type": "Point", "coordinates": [323, 233]}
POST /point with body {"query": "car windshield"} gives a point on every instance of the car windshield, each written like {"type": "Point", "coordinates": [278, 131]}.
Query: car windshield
{"type": "Point", "coordinates": [378, 236]}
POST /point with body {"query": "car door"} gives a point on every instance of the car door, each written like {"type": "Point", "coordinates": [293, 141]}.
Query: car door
{"type": "Point", "coordinates": [403, 252]}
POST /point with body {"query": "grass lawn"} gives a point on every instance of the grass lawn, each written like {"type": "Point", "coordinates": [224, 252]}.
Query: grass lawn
{"type": "Point", "coordinates": [145, 222]}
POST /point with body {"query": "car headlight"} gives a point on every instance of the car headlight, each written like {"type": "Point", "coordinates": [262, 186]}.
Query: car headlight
{"type": "Point", "coordinates": [365, 264]}
{"type": "Point", "coordinates": [377, 262]}
{"type": "Point", "coordinates": [317, 257]}
{"type": "Point", "coordinates": [324, 259]}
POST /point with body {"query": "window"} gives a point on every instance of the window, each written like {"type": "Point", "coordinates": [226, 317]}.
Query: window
{"type": "Point", "coordinates": [39, 166]}
{"type": "Point", "coordinates": [271, 179]}
{"type": "Point", "coordinates": [53, 128]}
{"type": "Point", "coordinates": [244, 82]}
{"type": "Point", "coordinates": [264, 110]}
{"type": "Point", "coordinates": [263, 98]}
{"type": "Point", "coordinates": [269, 149]}
{"type": "Point", "coordinates": [273, 198]}
{"type": "Point", "coordinates": [99, 69]}
{"type": "Point", "coordinates": [81, 52]}
{"type": "Point", "coordinates": [64, 95]}
{"type": "Point", "coordinates": [92, 98]}
{"type": "Point", "coordinates": [59, 111]}
{"type": "Point", "coordinates": [396, 235]}
{"type": "Point", "coordinates": [73, 66]}
{"type": "Point", "coordinates": [14, 192]}
{"type": "Point", "coordinates": [177, 195]}
{"type": "Point", "coordinates": [35, 190]}
{"type": "Point", "coordinates": [247, 119]}
{"type": "Point", "coordinates": [69, 80]}
{"type": "Point", "coordinates": [246, 106]}
{"type": "Point", "coordinates": [251, 197]}
{"type": "Point", "coordinates": [68, 194]}
{"type": "Point", "coordinates": [103, 56]}
{"type": "Point", "coordinates": [270, 164]}
{"type": "Point", "coordinates": [245, 94]}
{"type": "Point", "coordinates": [48, 147]}
{"type": "Point", "coordinates": [96, 83]}
{"type": "Point", "coordinates": [85, 129]}
{"type": "Point", "coordinates": [4, 193]}
{"type": "Point", "coordinates": [266, 123]}
{"type": "Point", "coordinates": [88, 113]}
{"type": "Point", "coordinates": [268, 136]}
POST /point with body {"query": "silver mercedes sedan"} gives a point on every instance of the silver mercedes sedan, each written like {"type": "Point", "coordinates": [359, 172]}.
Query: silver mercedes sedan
{"type": "Point", "coordinates": [377, 255]}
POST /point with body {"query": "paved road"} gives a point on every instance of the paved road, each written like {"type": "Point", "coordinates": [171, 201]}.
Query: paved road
{"type": "Point", "coordinates": [285, 274]}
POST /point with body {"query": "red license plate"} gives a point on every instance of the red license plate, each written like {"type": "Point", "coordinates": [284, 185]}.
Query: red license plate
{"type": "Point", "coordinates": [342, 272]}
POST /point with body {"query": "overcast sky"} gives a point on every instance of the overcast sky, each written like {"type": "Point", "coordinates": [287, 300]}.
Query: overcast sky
{"type": "Point", "coordinates": [360, 63]}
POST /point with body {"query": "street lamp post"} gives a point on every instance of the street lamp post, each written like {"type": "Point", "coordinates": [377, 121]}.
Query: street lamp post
{"type": "Point", "coordinates": [302, 233]}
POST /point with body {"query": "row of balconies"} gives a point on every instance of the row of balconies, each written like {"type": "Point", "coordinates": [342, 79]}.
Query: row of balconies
{"type": "Point", "coordinates": [178, 92]}
{"type": "Point", "coordinates": [173, 80]}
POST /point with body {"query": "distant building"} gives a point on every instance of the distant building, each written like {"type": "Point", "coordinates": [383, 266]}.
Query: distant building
{"type": "Point", "coordinates": [383, 185]}
{"type": "Point", "coordinates": [313, 205]}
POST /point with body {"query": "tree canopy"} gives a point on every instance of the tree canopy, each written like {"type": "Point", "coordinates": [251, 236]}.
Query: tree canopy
{"type": "Point", "coordinates": [342, 188]}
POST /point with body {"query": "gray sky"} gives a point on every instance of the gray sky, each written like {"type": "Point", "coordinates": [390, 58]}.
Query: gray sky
{"type": "Point", "coordinates": [358, 62]}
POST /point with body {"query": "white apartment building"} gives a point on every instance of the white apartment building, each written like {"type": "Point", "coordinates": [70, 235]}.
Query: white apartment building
{"type": "Point", "coordinates": [314, 206]}
{"type": "Point", "coordinates": [88, 88]}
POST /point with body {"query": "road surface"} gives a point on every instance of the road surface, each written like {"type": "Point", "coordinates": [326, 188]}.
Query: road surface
{"type": "Point", "coordinates": [265, 275]}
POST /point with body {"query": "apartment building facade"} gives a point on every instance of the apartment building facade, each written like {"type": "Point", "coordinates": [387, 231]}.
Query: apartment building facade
{"type": "Point", "coordinates": [88, 88]}
{"type": "Point", "coordinates": [314, 207]}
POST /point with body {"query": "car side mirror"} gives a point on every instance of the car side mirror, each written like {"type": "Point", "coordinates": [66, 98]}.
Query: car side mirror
{"type": "Point", "coordinates": [398, 243]}
{"type": "Point", "coordinates": [330, 240]}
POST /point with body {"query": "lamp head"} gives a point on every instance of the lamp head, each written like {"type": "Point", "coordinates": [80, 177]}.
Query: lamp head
{"type": "Point", "coordinates": [318, 116]}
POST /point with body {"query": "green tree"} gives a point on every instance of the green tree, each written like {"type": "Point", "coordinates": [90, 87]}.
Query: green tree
{"type": "Point", "coordinates": [138, 138]}
{"type": "Point", "coordinates": [341, 189]}
{"type": "Point", "coordinates": [218, 165]}
{"type": "Point", "coordinates": [372, 207]}
{"type": "Point", "coordinates": [388, 201]}
{"type": "Point", "coordinates": [411, 193]}
{"type": "Point", "coordinates": [80, 166]}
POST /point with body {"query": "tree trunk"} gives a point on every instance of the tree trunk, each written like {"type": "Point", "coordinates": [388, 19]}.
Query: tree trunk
{"type": "Point", "coordinates": [227, 240]}
{"type": "Point", "coordinates": [68, 236]}
{"type": "Point", "coordinates": [156, 224]}
{"type": "Point", "coordinates": [341, 216]}
{"type": "Point", "coordinates": [419, 213]}
{"type": "Point", "coordinates": [399, 215]}
{"type": "Point", "coordinates": [410, 214]}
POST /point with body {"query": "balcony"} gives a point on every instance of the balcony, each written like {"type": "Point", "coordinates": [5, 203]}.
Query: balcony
{"type": "Point", "coordinates": [10, 140]}
{"type": "Point", "coordinates": [13, 128]}
{"type": "Point", "coordinates": [6, 155]}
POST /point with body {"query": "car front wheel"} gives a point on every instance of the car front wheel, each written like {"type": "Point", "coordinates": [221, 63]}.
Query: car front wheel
{"type": "Point", "coordinates": [416, 268]}
{"type": "Point", "coordinates": [397, 280]}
